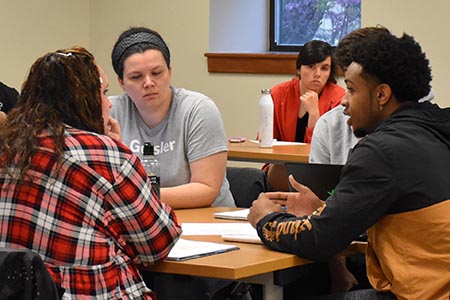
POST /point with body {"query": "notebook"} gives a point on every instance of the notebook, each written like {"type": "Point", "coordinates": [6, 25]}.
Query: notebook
{"type": "Point", "coordinates": [320, 178]}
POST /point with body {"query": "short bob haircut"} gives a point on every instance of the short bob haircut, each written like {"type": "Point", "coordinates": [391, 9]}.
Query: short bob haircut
{"type": "Point", "coordinates": [314, 52]}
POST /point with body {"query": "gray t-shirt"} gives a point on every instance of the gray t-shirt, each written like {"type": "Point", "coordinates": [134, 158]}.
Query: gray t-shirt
{"type": "Point", "coordinates": [193, 129]}
{"type": "Point", "coordinates": [332, 138]}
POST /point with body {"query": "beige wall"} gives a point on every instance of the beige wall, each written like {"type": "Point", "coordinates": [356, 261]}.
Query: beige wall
{"type": "Point", "coordinates": [30, 28]}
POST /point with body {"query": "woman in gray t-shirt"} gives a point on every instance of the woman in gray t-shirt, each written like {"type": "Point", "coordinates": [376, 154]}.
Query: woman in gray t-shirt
{"type": "Point", "coordinates": [186, 127]}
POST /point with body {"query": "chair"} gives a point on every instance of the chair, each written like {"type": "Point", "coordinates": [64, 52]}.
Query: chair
{"type": "Point", "coordinates": [320, 178]}
{"type": "Point", "coordinates": [23, 275]}
{"type": "Point", "coordinates": [246, 184]}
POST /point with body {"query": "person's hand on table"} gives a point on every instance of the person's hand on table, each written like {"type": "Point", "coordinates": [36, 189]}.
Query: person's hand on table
{"type": "Point", "coordinates": [300, 203]}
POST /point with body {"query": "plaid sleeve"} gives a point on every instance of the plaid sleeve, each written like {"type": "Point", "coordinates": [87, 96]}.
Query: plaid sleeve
{"type": "Point", "coordinates": [145, 227]}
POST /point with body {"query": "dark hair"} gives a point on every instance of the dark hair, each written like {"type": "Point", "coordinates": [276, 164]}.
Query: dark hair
{"type": "Point", "coordinates": [347, 46]}
{"type": "Point", "coordinates": [397, 62]}
{"type": "Point", "coordinates": [314, 52]}
{"type": "Point", "coordinates": [137, 40]}
{"type": "Point", "coordinates": [62, 88]}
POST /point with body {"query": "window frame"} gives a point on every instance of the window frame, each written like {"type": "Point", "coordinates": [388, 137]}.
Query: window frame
{"type": "Point", "coordinates": [272, 45]}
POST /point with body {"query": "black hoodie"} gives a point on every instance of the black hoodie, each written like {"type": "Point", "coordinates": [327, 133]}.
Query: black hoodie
{"type": "Point", "coordinates": [403, 165]}
{"type": "Point", "coordinates": [8, 97]}
{"type": "Point", "coordinates": [395, 185]}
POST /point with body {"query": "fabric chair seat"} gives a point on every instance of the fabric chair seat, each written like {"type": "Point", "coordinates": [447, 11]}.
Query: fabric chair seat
{"type": "Point", "coordinates": [246, 184]}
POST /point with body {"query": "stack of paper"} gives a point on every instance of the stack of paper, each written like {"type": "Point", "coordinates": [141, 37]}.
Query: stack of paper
{"type": "Point", "coordinates": [242, 238]}
{"type": "Point", "coordinates": [237, 232]}
{"type": "Point", "coordinates": [233, 215]}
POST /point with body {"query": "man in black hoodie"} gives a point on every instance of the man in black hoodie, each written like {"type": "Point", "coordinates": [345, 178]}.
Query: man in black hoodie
{"type": "Point", "coordinates": [395, 184]}
{"type": "Point", "coordinates": [8, 98]}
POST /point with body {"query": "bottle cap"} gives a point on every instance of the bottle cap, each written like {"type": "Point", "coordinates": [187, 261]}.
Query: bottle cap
{"type": "Point", "coordinates": [148, 149]}
{"type": "Point", "coordinates": [265, 91]}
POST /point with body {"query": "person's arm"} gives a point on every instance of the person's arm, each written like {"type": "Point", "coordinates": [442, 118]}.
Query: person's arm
{"type": "Point", "coordinates": [143, 227]}
{"type": "Point", "coordinates": [277, 178]}
{"type": "Point", "coordinates": [364, 195]}
{"type": "Point", "coordinates": [320, 148]}
{"type": "Point", "coordinates": [206, 151]}
{"type": "Point", "coordinates": [342, 280]}
{"type": "Point", "coordinates": [310, 100]}
{"type": "Point", "coordinates": [207, 176]}
{"type": "Point", "coordinates": [330, 98]}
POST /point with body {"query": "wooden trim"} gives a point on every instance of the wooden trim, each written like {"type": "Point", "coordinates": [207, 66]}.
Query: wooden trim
{"type": "Point", "coordinates": [255, 63]}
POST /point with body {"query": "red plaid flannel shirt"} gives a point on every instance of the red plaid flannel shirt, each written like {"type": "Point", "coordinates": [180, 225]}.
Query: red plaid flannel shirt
{"type": "Point", "coordinates": [93, 222]}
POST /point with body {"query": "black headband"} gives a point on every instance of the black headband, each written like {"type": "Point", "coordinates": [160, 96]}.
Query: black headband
{"type": "Point", "coordinates": [134, 39]}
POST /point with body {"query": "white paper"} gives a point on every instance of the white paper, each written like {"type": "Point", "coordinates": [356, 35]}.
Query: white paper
{"type": "Point", "coordinates": [187, 249]}
{"type": "Point", "coordinates": [280, 143]}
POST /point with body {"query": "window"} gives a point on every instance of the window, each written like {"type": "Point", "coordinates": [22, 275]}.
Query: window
{"type": "Point", "coordinates": [295, 22]}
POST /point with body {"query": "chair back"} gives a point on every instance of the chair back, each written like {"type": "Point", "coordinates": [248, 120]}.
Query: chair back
{"type": "Point", "coordinates": [320, 178]}
{"type": "Point", "coordinates": [23, 275]}
{"type": "Point", "coordinates": [246, 184]}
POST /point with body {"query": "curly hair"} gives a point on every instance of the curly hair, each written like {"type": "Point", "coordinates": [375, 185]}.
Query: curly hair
{"type": "Point", "coordinates": [347, 46]}
{"type": "Point", "coordinates": [397, 62]}
{"type": "Point", "coordinates": [314, 52]}
{"type": "Point", "coordinates": [62, 88]}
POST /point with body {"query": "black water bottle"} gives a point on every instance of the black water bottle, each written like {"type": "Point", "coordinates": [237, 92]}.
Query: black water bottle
{"type": "Point", "coordinates": [151, 166]}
